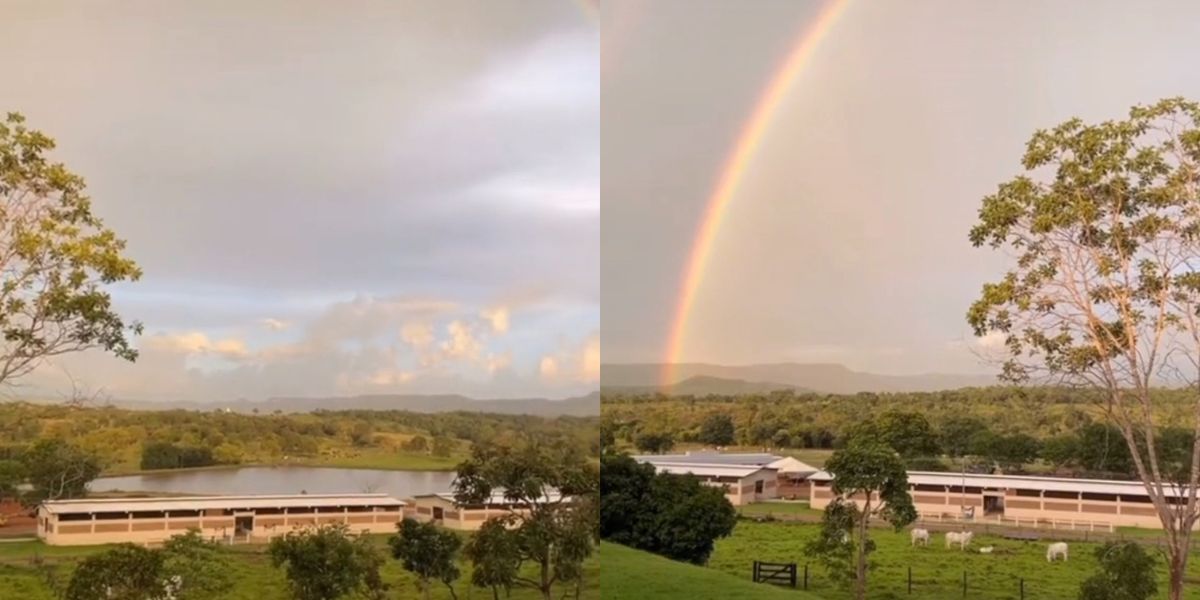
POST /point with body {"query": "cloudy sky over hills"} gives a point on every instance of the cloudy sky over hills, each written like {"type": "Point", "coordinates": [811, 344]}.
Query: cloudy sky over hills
{"type": "Point", "coordinates": [402, 199]}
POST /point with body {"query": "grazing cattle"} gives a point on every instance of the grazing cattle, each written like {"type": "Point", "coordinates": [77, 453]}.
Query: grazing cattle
{"type": "Point", "coordinates": [986, 550]}
{"type": "Point", "coordinates": [920, 535]}
{"type": "Point", "coordinates": [963, 539]}
{"type": "Point", "coordinates": [1056, 550]}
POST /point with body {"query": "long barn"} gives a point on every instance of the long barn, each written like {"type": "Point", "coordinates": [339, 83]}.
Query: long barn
{"type": "Point", "coordinates": [231, 518]}
{"type": "Point", "coordinates": [1054, 500]}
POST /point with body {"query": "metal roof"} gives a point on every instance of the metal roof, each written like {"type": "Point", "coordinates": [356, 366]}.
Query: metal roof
{"type": "Point", "coordinates": [496, 498]}
{"type": "Point", "coordinates": [760, 459]}
{"type": "Point", "coordinates": [1028, 482]}
{"type": "Point", "coordinates": [709, 470]}
{"type": "Point", "coordinates": [215, 502]}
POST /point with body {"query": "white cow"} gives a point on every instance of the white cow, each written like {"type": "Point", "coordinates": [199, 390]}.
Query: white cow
{"type": "Point", "coordinates": [963, 539]}
{"type": "Point", "coordinates": [920, 535]}
{"type": "Point", "coordinates": [1056, 550]}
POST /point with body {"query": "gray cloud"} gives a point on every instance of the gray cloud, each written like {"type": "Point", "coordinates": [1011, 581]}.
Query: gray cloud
{"type": "Point", "coordinates": [273, 160]}
{"type": "Point", "coordinates": [846, 241]}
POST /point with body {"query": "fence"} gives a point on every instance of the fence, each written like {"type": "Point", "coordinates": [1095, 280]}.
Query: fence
{"type": "Point", "coordinates": [779, 573]}
{"type": "Point", "coordinates": [929, 583]}
{"type": "Point", "coordinates": [1028, 523]}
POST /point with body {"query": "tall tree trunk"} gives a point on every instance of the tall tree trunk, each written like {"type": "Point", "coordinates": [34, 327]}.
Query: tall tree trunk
{"type": "Point", "coordinates": [860, 568]}
{"type": "Point", "coordinates": [1177, 568]}
{"type": "Point", "coordinates": [546, 580]}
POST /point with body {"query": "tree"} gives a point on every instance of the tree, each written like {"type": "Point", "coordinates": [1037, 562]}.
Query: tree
{"type": "Point", "coordinates": [56, 257]}
{"type": "Point", "coordinates": [908, 433]}
{"type": "Point", "coordinates": [200, 567]}
{"type": "Point", "coordinates": [716, 430]}
{"type": "Point", "coordinates": [1105, 292]}
{"type": "Point", "coordinates": [870, 480]}
{"type": "Point", "coordinates": [676, 516]}
{"type": "Point", "coordinates": [57, 470]}
{"type": "Point", "coordinates": [1126, 573]}
{"type": "Point", "coordinates": [418, 443]}
{"type": "Point", "coordinates": [654, 443]}
{"type": "Point", "coordinates": [427, 551]}
{"type": "Point", "coordinates": [495, 558]}
{"type": "Point", "coordinates": [126, 572]}
{"type": "Point", "coordinates": [547, 491]}
{"type": "Point", "coordinates": [442, 446]}
{"type": "Point", "coordinates": [325, 563]}
{"type": "Point", "coordinates": [12, 474]}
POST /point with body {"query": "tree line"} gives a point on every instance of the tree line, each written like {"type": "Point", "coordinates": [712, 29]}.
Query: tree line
{"type": "Point", "coordinates": [1001, 428]}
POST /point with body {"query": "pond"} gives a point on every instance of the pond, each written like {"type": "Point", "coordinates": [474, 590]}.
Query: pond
{"type": "Point", "coordinates": [281, 480]}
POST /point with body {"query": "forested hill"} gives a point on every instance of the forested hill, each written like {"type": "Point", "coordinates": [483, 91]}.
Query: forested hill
{"type": "Point", "coordinates": [703, 378]}
{"type": "Point", "coordinates": [581, 406]}
{"type": "Point", "coordinates": [123, 440]}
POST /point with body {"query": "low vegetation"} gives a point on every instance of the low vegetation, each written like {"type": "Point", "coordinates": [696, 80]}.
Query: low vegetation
{"type": "Point", "coordinates": [630, 574]}
{"type": "Point", "coordinates": [126, 441]}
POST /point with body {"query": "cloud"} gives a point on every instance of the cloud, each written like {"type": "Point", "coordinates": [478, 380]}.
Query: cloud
{"type": "Point", "coordinates": [498, 317]}
{"type": "Point", "coordinates": [195, 342]}
{"type": "Point", "coordinates": [275, 324]}
{"type": "Point", "coordinates": [548, 368]}
{"type": "Point", "coordinates": [574, 364]}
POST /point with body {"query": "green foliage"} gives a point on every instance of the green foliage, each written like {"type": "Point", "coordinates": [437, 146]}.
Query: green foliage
{"type": "Point", "coordinates": [716, 430]}
{"type": "Point", "coordinates": [495, 557]}
{"type": "Point", "coordinates": [908, 433]}
{"type": "Point", "coordinates": [872, 475]}
{"type": "Point", "coordinates": [676, 516]}
{"type": "Point", "coordinates": [835, 545]}
{"type": "Point", "coordinates": [428, 551]}
{"type": "Point", "coordinates": [442, 446]}
{"type": "Point", "coordinates": [165, 455]}
{"type": "Point", "coordinates": [57, 470]}
{"type": "Point", "coordinates": [325, 563]}
{"type": "Point", "coordinates": [127, 572]}
{"type": "Point", "coordinates": [1126, 573]}
{"type": "Point", "coordinates": [655, 442]}
{"type": "Point", "coordinates": [199, 566]}
{"type": "Point", "coordinates": [58, 258]}
{"type": "Point", "coordinates": [12, 474]}
{"type": "Point", "coordinates": [550, 490]}
{"type": "Point", "coordinates": [418, 443]}
{"type": "Point", "coordinates": [116, 436]}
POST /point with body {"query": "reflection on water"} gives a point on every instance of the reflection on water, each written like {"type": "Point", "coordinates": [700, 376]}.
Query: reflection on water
{"type": "Point", "coordinates": [282, 480]}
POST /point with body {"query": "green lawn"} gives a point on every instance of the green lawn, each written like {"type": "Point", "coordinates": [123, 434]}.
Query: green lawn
{"type": "Point", "coordinates": [779, 508]}
{"type": "Point", "coordinates": [254, 577]}
{"type": "Point", "coordinates": [630, 574]}
{"type": "Point", "coordinates": [937, 571]}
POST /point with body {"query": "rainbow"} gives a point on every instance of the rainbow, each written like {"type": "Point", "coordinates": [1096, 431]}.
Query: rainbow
{"type": "Point", "coordinates": [752, 134]}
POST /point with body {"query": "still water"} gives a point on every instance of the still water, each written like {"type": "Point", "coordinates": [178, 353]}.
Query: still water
{"type": "Point", "coordinates": [282, 480]}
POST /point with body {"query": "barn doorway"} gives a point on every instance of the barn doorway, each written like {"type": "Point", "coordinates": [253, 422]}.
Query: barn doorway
{"type": "Point", "coordinates": [243, 525]}
{"type": "Point", "coordinates": [993, 502]}
{"type": "Point", "coordinates": [438, 513]}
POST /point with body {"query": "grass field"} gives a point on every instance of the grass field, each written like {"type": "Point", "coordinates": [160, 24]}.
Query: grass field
{"type": "Point", "coordinates": [253, 576]}
{"type": "Point", "coordinates": [780, 508]}
{"type": "Point", "coordinates": [630, 574]}
{"type": "Point", "coordinates": [937, 571]}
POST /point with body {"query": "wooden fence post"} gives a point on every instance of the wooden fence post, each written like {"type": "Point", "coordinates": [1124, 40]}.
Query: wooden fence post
{"type": "Point", "coordinates": [755, 576]}
{"type": "Point", "coordinates": [1022, 588]}
{"type": "Point", "coordinates": [964, 584]}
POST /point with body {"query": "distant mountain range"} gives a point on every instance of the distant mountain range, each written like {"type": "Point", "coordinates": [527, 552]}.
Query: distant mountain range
{"type": "Point", "coordinates": [435, 403]}
{"type": "Point", "coordinates": [703, 378]}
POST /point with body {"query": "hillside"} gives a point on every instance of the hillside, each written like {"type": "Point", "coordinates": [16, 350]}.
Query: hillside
{"type": "Point", "coordinates": [629, 574]}
{"type": "Point", "coordinates": [703, 385]}
{"type": "Point", "coordinates": [821, 378]}
{"type": "Point", "coordinates": [581, 406]}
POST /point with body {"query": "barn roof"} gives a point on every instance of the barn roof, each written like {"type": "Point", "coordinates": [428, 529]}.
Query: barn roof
{"type": "Point", "coordinates": [709, 470]}
{"type": "Point", "coordinates": [94, 505]}
{"type": "Point", "coordinates": [1027, 482]}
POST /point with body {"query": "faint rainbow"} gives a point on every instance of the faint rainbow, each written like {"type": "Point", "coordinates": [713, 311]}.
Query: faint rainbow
{"type": "Point", "coordinates": [734, 169]}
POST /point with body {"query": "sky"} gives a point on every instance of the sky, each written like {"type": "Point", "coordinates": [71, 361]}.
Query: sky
{"type": "Point", "coordinates": [847, 239]}
{"type": "Point", "coordinates": [398, 197]}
